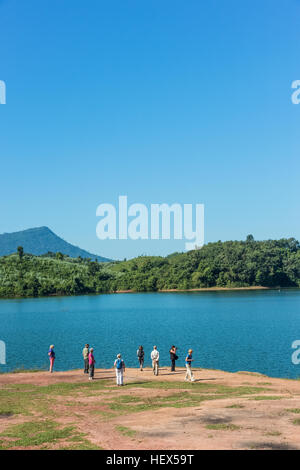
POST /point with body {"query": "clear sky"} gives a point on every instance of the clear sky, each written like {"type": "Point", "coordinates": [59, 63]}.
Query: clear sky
{"type": "Point", "coordinates": [160, 100]}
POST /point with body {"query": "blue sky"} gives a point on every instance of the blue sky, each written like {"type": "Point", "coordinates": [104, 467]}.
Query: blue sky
{"type": "Point", "coordinates": [162, 101]}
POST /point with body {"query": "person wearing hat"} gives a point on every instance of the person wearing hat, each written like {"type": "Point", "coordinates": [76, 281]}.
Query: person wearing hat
{"type": "Point", "coordinates": [119, 365]}
{"type": "Point", "coordinates": [188, 364]}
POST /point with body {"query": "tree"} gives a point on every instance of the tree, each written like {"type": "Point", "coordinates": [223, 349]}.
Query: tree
{"type": "Point", "coordinates": [20, 252]}
{"type": "Point", "coordinates": [269, 263]}
{"type": "Point", "coordinates": [93, 267]}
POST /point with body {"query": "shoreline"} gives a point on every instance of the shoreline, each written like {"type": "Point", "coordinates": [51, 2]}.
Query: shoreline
{"type": "Point", "coordinates": [131, 291]}
{"type": "Point", "coordinates": [198, 289]}
{"type": "Point", "coordinates": [71, 372]}
{"type": "Point", "coordinates": [68, 372]}
{"type": "Point", "coordinates": [165, 291]}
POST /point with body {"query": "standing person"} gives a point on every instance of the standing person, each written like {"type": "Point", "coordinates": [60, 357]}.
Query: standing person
{"type": "Point", "coordinates": [173, 357]}
{"type": "Point", "coordinates": [51, 355]}
{"type": "Point", "coordinates": [91, 364]}
{"type": "Point", "coordinates": [119, 365]}
{"type": "Point", "coordinates": [85, 353]}
{"type": "Point", "coordinates": [188, 364]}
{"type": "Point", "coordinates": [141, 354]}
{"type": "Point", "coordinates": [155, 360]}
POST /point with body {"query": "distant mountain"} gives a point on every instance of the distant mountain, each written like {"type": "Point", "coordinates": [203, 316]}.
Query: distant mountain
{"type": "Point", "coordinates": [39, 241]}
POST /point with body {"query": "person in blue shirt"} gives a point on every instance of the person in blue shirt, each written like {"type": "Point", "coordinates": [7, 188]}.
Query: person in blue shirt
{"type": "Point", "coordinates": [120, 369]}
{"type": "Point", "coordinates": [188, 364]}
{"type": "Point", "coordinates": [51, 355]}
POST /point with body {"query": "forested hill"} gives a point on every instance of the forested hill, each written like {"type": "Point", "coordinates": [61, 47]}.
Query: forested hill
{"type": "Point", "coordinates": [270, 263]}
{"type": "Point", "coordinates": [40, 240]}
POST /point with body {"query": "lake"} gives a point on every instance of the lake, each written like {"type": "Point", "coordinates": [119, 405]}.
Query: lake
{"type": "Point", "coordinates": [231, 330]}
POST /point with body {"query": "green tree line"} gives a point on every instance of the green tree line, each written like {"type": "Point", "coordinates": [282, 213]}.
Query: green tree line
{"type": "Point", "coordinates": [270, 263]}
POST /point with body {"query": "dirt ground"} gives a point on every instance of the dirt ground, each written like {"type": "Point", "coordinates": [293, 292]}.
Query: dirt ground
{"type": "Point", "coordinates": [220, 410]}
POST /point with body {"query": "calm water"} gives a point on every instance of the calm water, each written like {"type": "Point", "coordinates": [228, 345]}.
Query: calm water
{"type": "Point", "coordinates": [228, 330]}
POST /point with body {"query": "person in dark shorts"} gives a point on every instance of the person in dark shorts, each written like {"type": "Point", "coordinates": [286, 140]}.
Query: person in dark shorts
{"type": "Point", "coordinates": [141, 355]}
{"type": "Point", "coordinates": [173, 357]}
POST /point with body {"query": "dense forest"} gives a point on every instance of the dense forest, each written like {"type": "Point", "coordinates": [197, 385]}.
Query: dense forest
{"type": "Point", "coordinates": [270, 263]}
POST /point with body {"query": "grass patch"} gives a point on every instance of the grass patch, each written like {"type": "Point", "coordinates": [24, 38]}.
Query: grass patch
{"type": "Point", "coordinates": [297, 421]}
{"type": "Point", "coordinates": [154, 403]}
{"type": "Point", "coordinates": [198, 387]}
{"type": "Point", "coordinates": [19, 400]}
{"type": "Point", "coordinates": [127, 399]}
{"type": "Point", "coordinates": [222, 427]}
{"type": "Point", "coordinates": [104, 414]}
{"type": "Point", "coordinates": [21, 370]}
{"type": "Point", "coordinates": [4, 414]}
{"type": "Point", "coordinates": [293, 410]}
{"type": "Point", "coordinates": [26, 399]}
{"type": "Point", "coordinates": [235, 406]}
{"type": "Point", "coordinates": [238, 391]}
{"type": "Point", "coordinates": [126, 431]}
{"type": "Point", "coordinates": [79, 442]}
{"type": "Point", "coordinates": [267, 397]}
{"type": "Point", "coordinates": [43, 435]}
{"type": "Point", "coordinates": [82, 446]}
{"type": "Point", "coordinates": [171, 385]}
{"type": "Point", "coordinates": [34, 433]}
{"type": "Point", "coordinates": [35, 400]}
{"type": "Point", "coordinates": [66, 388]}
{"type": "Point", "coordinates": [273, 433]}
{"type": "Point", "coordinates": [188, 397]}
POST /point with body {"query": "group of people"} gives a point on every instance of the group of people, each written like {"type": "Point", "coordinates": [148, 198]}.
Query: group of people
{"type": "Point", "coordinates": [173, 356]}
{"type": "Point", "coordinates": [119, 364]}
{"type": "Point", "coordinates": [89, 364]}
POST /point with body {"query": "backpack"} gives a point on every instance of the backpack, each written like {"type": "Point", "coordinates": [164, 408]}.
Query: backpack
{"type": "Point", "coordinates": [119, 364]}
